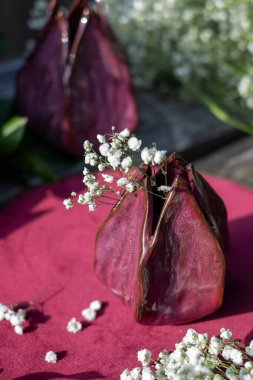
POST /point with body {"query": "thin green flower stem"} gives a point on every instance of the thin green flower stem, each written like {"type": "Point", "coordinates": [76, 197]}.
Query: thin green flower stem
{"type": "Point", "coordinates": [105, 196]}
{"type": "Point", "coordinates": [105, 203]}
{"type": "Point", "coordinates": [159, 196]}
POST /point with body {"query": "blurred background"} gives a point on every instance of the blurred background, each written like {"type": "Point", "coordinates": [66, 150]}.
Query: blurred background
{"type": "Point", "coordinates": [192, 67]}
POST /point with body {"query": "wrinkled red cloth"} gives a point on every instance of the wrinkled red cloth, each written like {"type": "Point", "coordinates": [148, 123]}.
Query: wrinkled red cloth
{"type": "Point", "coordinates": [45, 247]}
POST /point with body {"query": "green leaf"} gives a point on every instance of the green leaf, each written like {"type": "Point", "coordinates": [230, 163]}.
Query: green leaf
{"type": "Point", "coordinates": [11, 134]}
{"type": "Point", "coordinates": [219, 112]}
{"type": "Point", "coordinates": [34, 165]}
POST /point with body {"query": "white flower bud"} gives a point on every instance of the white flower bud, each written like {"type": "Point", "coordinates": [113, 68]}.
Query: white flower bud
{"type": "Point", "coordinates": [51, 357]}
{"type": "Point", "coordinates": [92, 206]}
{"type": "Point", "coordinates": [126, 162]}
{"type": "Point", "coordinates": [74, 326]}
{"type": "Point", "coordinates": [134, 144]}
{"type": "Point", "coordinates": [144, 356]}
{"type": "Point", "coordinates": [160, 156]}
{"type": "Point", "coordinates": [89, 314]}
{"type": "Point", "coordinates": [225, 333]}
{"type": "Point", "coordinates": [146, 156]}
{"type": "Point", "coordinates": [165, 189]}
{"type": "Point", "coordinates": [108, 178]}
{"type": "Point", "coordinates": [14, 320]}
{"type": "Point", "coordinates": [101, 167]}
{"type": "Point", "coordinates": [19, 330]}
{"type": "Point", "coordinates": [68, 203]}
{"type": "Point", "coordinates": [122, 181]}
{"type": "Point", "coordinates": [125, 133]}
{"type": "Point", "coordinates": [130, 187]}
{"type": "Point", "coordinates": [101, 139]}
{"type": "Point", "coordinates": [96, 305]}
{"type": "Point", "coordinates": [104, 149]}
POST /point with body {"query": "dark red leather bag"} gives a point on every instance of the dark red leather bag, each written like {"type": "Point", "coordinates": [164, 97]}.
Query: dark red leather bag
{"type": "Point", "coordinates": [76, 84]}
{"type": "Point", "coordinates": [166, 258]}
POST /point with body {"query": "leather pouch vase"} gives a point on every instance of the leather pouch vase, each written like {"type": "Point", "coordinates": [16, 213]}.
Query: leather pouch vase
{"type": "Point", "coordinates": [76, 84]}
{"type": "Point", "coordinates": [165, 258]}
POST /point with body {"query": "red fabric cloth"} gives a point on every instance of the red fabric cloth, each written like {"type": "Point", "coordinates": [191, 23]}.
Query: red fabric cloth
{"type": "Point", "coordinates": [44, 246]}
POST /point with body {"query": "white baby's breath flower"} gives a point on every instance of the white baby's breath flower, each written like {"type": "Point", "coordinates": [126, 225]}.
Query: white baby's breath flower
{"type": "Point", "coordinates": [68, 203]}
{"type": "Point", "coordinates": [92, 206]}
{"type": "Point", "coordinates": [215, 346]}
{"type": "Point", "coordinates": [218, 377]}
{"type": "Point", "coordinates": [136, 374]}
{"type": "Point", "coordinates": [73, 194]}
{"type": "Point", "coordinates": [225, 333]}
{"type": "Point", "coordinates": [125, 133]}
{"type": "Point", "coordinates": [108, 178]}
{"type": "Point", "coordinates": [104, 149]}
{"type": "Point", "coordinates": [9, 314]}
{"type": "Point", "coordinates": [160, 156]}
{"type": "Point", "coordinates": [164, 189]}
{"type": "Point", "coordinates": [3, 308]}
{"type": "Point", "coordinates": [91, 159]}
{"type": "Point", "coordinates": [95, 305]}
{"type": "Point", "coordinates": [231, 373]}
{"type": "Point", "coordinates": [146, 156]}
{"type": "Point", "coordinates": [89, 179]}
{"type": "Point", "coordinates": [190, 337]}
{"type": "Point", "coordinates": [87, 145]}
{"type": "Point", "coordinates": [74, 326]}
{"type": "Point", "coordinates": [126, 375]}
{"type": "Point", "coordinates": [249, 349]}
{"type": "Point", "coordinates": [51, 357]}
{"type": "Point", "coordinates": [101, 139]}
{"type": "Point", "coordinates": [194, 355]}
{"type": "Point", "coordinates": [21, 313]}
{"type": "Point", "coordinates": [126, 163]}
{"type": "Point", "coordinates": [19, 330]}
{"type": "Point", "coordinates": [101, 167]}
{"type": "Point", "coordinates": [147, 374]}
{"type": "Point", "coordinates": [236, 356]}
{"type": "Point", "coordinates": [226, 352]}
{"type": "Point", "coordinates": [122, 181]}
{"type": "Point", "coordinates": [14, 320]}
{"type": "Point", "coordinates": [134, 144]}
{"type": "Point", "coordinates": [144, 356]}
{"type": "Point", "coordinates": [89, 314]}
{"type": "Point", "coordinates": [86, 171]}
{"type": "Point", "coordinates": [130, 187]}
{"type": "Point", "coordinates": [114, 161]}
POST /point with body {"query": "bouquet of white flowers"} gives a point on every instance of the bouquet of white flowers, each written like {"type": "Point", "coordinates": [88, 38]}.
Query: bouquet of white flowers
{"type": "Point", "coordinates": [197, 357]}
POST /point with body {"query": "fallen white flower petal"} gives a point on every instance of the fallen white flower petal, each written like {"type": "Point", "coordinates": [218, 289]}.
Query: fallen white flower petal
{"type": "Point", "coordinates": [19, 330]}
{"type": "Point", "coordinates": [89, 314]}
{"type": "Point", "coordinates": [96, 305]}
{"type": "Point", "coordinates": [74, 326]}
{"type": "Point", "coordinates": [51, 357]}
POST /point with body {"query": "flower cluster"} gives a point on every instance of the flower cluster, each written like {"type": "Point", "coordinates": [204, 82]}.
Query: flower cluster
{"type": "Point", "coordinates": [206, 45]}
{"type": "Point", "coordinates": [16, 318]}
{"type": "Point", "coordinates": [122, 154]}
{"type": "Point", "coordinates": [89, 314]}
{"type": "Point", "coordinates": [197, 357]}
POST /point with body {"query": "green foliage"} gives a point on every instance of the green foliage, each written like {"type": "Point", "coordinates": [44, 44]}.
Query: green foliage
{"type": "Point", "coordinates": [11, 134]}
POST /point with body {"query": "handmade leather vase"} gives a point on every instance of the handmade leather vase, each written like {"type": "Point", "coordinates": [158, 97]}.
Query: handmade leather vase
{"type": "Point", "coordinates": [76, 84]}
{"type": "Point", "coordinates": [165, 258]}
